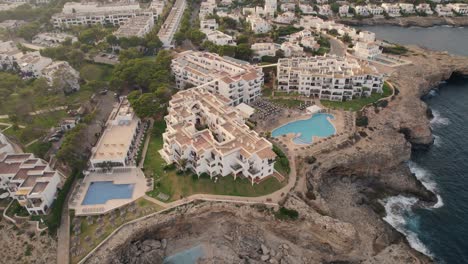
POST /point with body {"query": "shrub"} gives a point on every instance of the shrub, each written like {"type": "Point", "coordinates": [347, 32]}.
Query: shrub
{"type": "Point", "coordinates": [362, 121]}
{"type": "Point", "coordinates": [287, 214]}
{"type": "Point", "coordinates": [311, 159]}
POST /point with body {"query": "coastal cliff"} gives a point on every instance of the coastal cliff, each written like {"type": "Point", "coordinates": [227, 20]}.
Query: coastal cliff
{"type": "Point", "coordinates": [412, 21]}
{"type": "Point", "coordinates": [339, 197]}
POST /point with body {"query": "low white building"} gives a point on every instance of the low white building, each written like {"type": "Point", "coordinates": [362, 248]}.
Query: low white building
{"type": "Point", "coordinates": [286, 18]}
{"type": "Point", "coordinates": [51, 39]}
{"type": "Point", "coordinates": [6, 147]}
{"type": "Point", "coordinates": [407, 8]}
{"type": "Point", "coordinates": [236, 80]}
{"type": "Point", "coordinates": [208, 24]}
{"type": "Point", "coordinates": [288, 7]}
{"type": "Point", "coordinates": [328, 77]}
{"type": "Point", "coordinates": [459, 8]}
{"type": "Point", "coordinates": [361, 10]}
{"type": "Point", "coordinates": [443, 10]}
{"type": "Point", "coordinates": [291, 49]}
{"type": "Point", "coordinates": [392, 10]}
{"type": "Point", "coordinates": [135, 27]}
{"type": "Point", "coordinates": [219, 38]}
{"type": "Point", "coordinates": [374, 10]}
{"type": "Point", "coordinates": [306, 9]}
{"type": "Point", "coordinates": [265, 49]}
{"type": "Point", "coordinates": [424, 8]}
{"type": "Point", "coordinates": [32, 64]}
{"type": "Point", "coordinates": [208, 136]}
{"type": "Point", "coordinates": [117, 144]}
{"type": "Point", "coordinates": [61, 75]}
{"type": "Point", "coordinates": [30, 181]}
{"type": "Point", "coordinates": [206, 8]}
{"type": "Point", "coordinates": [325, 10]}
{"type": "Point", "coordinates": [258, 24]}
{"type": "Point", "coordinates": [343, 11]}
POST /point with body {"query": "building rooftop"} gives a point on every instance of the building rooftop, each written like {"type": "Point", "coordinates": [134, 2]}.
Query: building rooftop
{"type": "Point", "coordinates": [133, 26]}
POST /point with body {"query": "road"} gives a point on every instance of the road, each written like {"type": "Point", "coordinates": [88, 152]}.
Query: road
{"type": "Point", "coordinates": [336, 46]}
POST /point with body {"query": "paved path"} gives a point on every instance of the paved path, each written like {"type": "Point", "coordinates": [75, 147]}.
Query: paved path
{"type": "Point", "coordinates": [63, 232]}
{"type": "Point", "coordinates": [145, 147]}
{"type": "Point", "coordinates": [337, 47]}
{"type": "Point", "coordinates": [30, 143]}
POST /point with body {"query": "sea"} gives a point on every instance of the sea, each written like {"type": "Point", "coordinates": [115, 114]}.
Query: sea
{"type": "Point", "coordinates": [440, 231]}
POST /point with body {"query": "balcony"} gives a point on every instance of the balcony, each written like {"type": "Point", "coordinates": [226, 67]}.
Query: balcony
{"type": "Point", "coordinates": [253, 172]}
{"type": "Point", "coordinates": [236, 167]}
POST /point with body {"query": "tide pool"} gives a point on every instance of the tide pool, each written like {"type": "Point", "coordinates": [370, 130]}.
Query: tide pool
{"type": "Point", "coordinates": [317, 125]}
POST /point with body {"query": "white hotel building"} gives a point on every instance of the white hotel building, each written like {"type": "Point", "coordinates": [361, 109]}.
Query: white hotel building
{"type": "Point", "coordinates": [30, 181]}
{"type": "Point", "coordinates": [235, 79]}
{"type": "Point", "coordinates": [117, 142]}
{"type": "Point", "coordinates": [171, 24]}
{"type": "Point", "coordinates": [211, 136]}
{"type": "Point", "coordinates": [328, 77]}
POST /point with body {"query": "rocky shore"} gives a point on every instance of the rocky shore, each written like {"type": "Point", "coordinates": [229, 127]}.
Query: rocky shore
{"type": "Point", "coordinates": [413, 21]}
{"type": "Point", "coordinates": [338, 197]}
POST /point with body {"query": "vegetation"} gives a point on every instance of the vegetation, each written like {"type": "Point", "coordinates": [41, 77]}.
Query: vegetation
{"type": "Point", "coordinates": [282, 162]}
{"type": "Point", "coordinates": [39, 149]}
{"type": "Point", "coordinates": [395, 49]}
{"type": "Point", "coordinates": [362, 121]}
{"type": "Point", "coordinates": [242, 51]}
{"type": "Point", "coordinates": [287, 214]}
{"type": "Point", "coordinates": [16, 209]}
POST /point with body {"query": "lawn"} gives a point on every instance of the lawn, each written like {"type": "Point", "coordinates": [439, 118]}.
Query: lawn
{"type": "Point", "coordinates": [144, 207]}
{"type": "Point", "coordinates": [358, 104]}
{"type": "Point", "coordinates": [96, 72]}
{"type": "Point", "coordinates": [167, 181]}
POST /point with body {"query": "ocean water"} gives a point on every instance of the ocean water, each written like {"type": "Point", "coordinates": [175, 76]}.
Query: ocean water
{"type": "Point", "coordinates": [442, 230]}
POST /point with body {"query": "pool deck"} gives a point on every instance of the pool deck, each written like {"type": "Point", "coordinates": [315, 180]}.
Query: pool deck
{"type": "Point", "coordinates": [133, 176]}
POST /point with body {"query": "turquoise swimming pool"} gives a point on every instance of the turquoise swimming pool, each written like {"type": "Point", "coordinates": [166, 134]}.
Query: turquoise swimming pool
{"type": "Point", "coordinates": [317, 125]}
{"type": "Point", "coordinates": [101, 192]}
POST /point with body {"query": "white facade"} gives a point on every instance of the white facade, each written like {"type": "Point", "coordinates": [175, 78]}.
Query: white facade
{"type": "Point", "coordinates": [234, 79]}
{"type": "Point", "coordinates": [443, 10]}
{"type": "Point", "coordinates": [265, 49]}
{"type": "Point", "coordinates": [362, 10]}
{"type": "Point", "coordinates": [366, 47]}
{"type": "Point", "coordinates": [64, 74]}
{"type": "Point", "coordinates": [206, 8]}
{"type": "Point", "coordinates": [118, 141]}
{"type": "Point", "coordinates": [306, 9]}
{"type": "Point", "coordinates": [270, 8]}
{"type": "Point", "coordinates": [50, 39]}
{"type": "Point", "coordinates": [328, 77]}
{"type": "Point", "coordinates": [208, 24]}
{"type": "Point", "coordinates": [288, 7]}
{"type": "Point", "coordinates": [135, 27]}
{"type": "Point", "coordinates": [171, 25]}
{"type": "Point", "coordinates": [375, 10]}
{"type": "Point", "coordinates": [325, 10]}
{"type": "Point", "coordinates": [30, 181]}
{"type": "Point", "coordinates": [460, 8]}
{"type": "Point", "coordinates": [291, 49]}
{"type": "Point", "coordinates": [258, 24]}
{"type": "Point", "coordinates": [219, 38]}
{"type": "Point", "coordinates": [286, 18]}
{"type": "Point", "coordinates": [424, 8]}
{"type": "Point", "coordinates": [407, 8]}
{"type": "Point", "coordinates": [6, 147]}
{"type": "Point", "coordinates": [343, 11]}
{"type": "Point", "coordinates": [392, 10]}
{"type": "Point", "coordinates": [207, 135]}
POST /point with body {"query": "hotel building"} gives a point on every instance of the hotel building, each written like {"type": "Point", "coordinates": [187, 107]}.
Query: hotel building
{"type": "Point", "coordinates": [328, 77]}
{"type": "Point", "coordinates": [236, 80]}
{"type": "Point", "coordinates": [171, 24]}
{"type": "Point", "coordinates": [30, 181]}
{"type": "Point", "coordinates": [117, 142]}
{"type": "Point", "coordinates": [207, 135]}
{"type": "Point", "coordinates": [136, 26]}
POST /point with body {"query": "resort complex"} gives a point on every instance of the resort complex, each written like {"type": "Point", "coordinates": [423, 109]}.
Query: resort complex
{"type": "Point", "coordinates": [30, 181]}
{"type": "Point", "coordinates": [328, 77]}
{"type": "Point", "coordinates": [207, 135]}
{"type": "Point", "coordinates": [238, 81]}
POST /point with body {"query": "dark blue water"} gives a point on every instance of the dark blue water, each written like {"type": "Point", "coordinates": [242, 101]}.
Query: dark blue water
{"type": "Point", "coordinates": [441, 231]}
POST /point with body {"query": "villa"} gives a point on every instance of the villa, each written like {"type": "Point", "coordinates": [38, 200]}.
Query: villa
{"type": "Point", "coordinates": [328, 77]}
{"type": "Point", "coordinates": [361, 10]}
{"type": "Point", "coordinates": [374, 10]}
{"type": "Point", "coordinates": [292, 49]}
{"type": "Point", "coordinates": [407, 8]}
{"type": "Point", "coordinates": [443, 10]}
{"type": "Point", "coordinates": [237, 80]}
{"type": "Point", "coordinates": [220, 38]}
{"type": "Point", "coordinates": [343, 11]}
{"type": "Point", "coordinates": [207, 135]}
{"type": "Point", "coordinates": [117, 145]}
{"type": "Point", "coordinates": [288, 7]}
{"type": "Point", "coordinates": [265, 49]}
{"type": "Point", "coordinates": [258, 24]}
{"type": "Point", "coordinates": [392, 10]}
{"type": "Point", "coordinates": [206, 8]}
{"type": "Point", "coordinates": [50, 39]}
{"type": "Point", "coordinates": [208, 24]}
{"type": "Point", "coordinates": [459, 8]}
{"type": "Point", "coordinates": [424, 8]}
{"type": "Point", "coordinates": [366, 47]}
{"type": "Point", "coordinates": [285, 18]}
{"type": "Point", "coordinates": [30, 181]}
{"type": "Point", "coordinates": [325, 10]}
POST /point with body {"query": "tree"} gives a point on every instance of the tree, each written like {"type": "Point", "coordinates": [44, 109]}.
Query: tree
{"type": "Point", "coordinates": [346, 38]}
{"type": "Point", "coordinates": [128, 54]}
{"type": "Point", "coordinates": [196, 36]}
{"type": "Point", "coordinates": [28, 31]}
{"type": "Point", "coordinates": [243, 52]}
{"type": "Point", "coordinates": [335, 7]}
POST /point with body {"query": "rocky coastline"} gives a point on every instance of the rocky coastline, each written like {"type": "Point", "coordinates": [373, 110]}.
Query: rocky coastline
{"type": "Point", "coordinates": [339, 197]}
{"type": "Point", "coordinates": [413, 21]}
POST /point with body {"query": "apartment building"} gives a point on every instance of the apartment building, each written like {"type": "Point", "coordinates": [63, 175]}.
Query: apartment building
{"type": "Point", "coordinates": [137, 26]}
{"type": "Point", "coordinates": [392, 10]}
{"type": "Point", "coordinates": [116, 146]}
{"type": "Point", "coordinates": [265, 49]}
{"type": "Point", "coordinates": [443, 10]}
{"type": "Point", "coordinates": [366, 47]}
{"type": "Point", "coordinates": [52, 39]}
{"type": "Point", "coordinates": [30, 181]}
{"type": "Point", "coordinates": [361, 10]}
{"type": "Point", "coordinates": [171, 25]}
{"type": "Point", "coordinates": [424, 8]}
{"type": "Point", "coordinates": [207, 135]}
{"type": "Point", "coordinates": [236, 80]}
{"type": "Point", "coordinates": [258, 24]}
{"type": "Point", "coordinates": [459, 8]}
{"type": "Point", "coordinates": [31, 64]}
{"type": "Point", "coordinates": [328, 77]}
{"type": "Point", "coordinates": [220, 38]}
{"type": "Point", "coordinates": [407, 8]}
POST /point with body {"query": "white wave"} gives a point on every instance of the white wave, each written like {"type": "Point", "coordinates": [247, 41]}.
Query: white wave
{"type": "Point", "coordinates": [437, 141]}
{"type": "Point", "coordinates": [433, 93]}
{"type": "Point", "coordinates": [397, 208]}
{"type": "Point", "coordinates": [426, 179]}
{"type": "Point", "coordinates": [438, 119]}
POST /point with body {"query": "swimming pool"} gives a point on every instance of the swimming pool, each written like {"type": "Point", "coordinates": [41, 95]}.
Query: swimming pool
{"type": "Point", "coordinates": [317, 125]}
{"type": "Point", "coordinates": [103, 191]}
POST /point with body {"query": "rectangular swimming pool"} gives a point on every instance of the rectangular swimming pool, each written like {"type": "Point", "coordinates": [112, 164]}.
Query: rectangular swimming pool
{"type": "Point", "coordinates": [103, 191]}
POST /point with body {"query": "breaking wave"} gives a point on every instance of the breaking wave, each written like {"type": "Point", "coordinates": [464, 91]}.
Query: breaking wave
{"type": "Point", "coordinates": [399, 209]}
{"type": "Point", "coordinates": [438, 119]}
{"type": "Point", "coordinates": [437, 140]}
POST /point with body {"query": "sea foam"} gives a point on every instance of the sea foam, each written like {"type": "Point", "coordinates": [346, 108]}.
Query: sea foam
{"type": "Point", "coordinates": [438, 119]}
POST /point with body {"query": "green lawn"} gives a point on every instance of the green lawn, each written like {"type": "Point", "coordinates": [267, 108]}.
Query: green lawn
{"type": "Point", "coordinates": [358, 104]}
{"type": "Point", "coordinates": [177, 186]}
{"type": "Point", "coordinates": [96, 72]}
